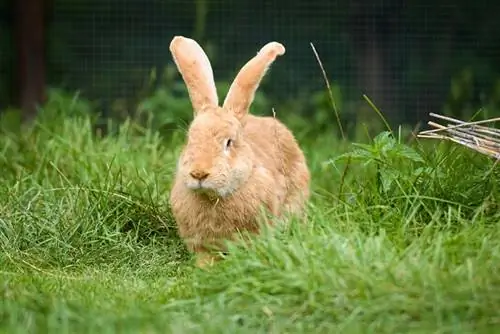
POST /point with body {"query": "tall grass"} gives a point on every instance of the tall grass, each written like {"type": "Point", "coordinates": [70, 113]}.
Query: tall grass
{"type": "Point", "coordinates": [399, 239]}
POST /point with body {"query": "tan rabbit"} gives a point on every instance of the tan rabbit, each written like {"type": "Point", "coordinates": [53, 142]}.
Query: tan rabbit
{"type": "Point", "coordinates": [234, 164]}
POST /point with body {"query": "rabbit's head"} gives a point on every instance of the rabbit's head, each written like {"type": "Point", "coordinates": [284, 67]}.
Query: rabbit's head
{"type": "Point", "coordinates": [216, 158]}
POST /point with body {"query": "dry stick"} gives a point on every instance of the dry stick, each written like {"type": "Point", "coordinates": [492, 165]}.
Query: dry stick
{"type": "Point", "coordinates": [452, 129]}
{"type": "Point", "coordinates": [490, 153]}
{"type": "Point", "coordinates": [481, 137]}
{"type": "Point", "coordinates": [450, 119]}
{"type": "Point", "coordinates": [484, 131]}
{"type": "Point", "coordinates": [414, 133]}
{"type": "Point", "coordinates": [446, 118]}
{"type": "Point", "coordinates": [436, 125]}
{"type": "Point", "coordinates": [461, 135]}
{"type": "Point", "coordinates": [490, 131]}
{"type": "Point", "coordinates": [475, 128]}
{"type": "Point", "coordinates": [483, 150]}
{"type": "Point", "coordinates": [469, 144]}
{"type": "Point", "coordinates": [488, 127]}
{"type": "Point", "coordinates": [483, 143]}
{"type": "Point", "coordinates": [472, 146]}
{"type": "Point", "coordinates": [330, 94]}
{"type": "Point", "coordinates": [467, 134]}
{"type": "Point", "coordinates": [460, 123]}
{"type": "Point", "coordinates": [478, 128]}
{"type": "Point", "coordinates": [432, 136]}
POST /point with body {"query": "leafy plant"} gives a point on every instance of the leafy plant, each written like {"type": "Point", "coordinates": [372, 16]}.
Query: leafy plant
{"type": "Point", "coordinates": [393, 161]}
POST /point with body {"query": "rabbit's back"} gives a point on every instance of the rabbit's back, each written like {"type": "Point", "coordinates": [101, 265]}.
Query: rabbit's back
{"type": "Point", "coordinates": [276, 148]}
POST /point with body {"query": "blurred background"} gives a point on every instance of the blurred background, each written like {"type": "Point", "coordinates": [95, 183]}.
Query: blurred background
{"type": "Point", "coordinates": [409, 57]}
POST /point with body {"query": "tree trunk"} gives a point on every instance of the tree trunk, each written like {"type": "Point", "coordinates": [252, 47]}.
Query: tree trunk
{"type": "Point", "coordinates": [30, 44]}
{"type": "Point", "coordinates": [371, 54]}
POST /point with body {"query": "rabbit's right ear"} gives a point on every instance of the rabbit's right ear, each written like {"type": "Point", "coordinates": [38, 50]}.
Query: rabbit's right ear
{"type": "Point", "coordinates": [196, 71]}
{"type": "Point", "coordinates": [242, 90]}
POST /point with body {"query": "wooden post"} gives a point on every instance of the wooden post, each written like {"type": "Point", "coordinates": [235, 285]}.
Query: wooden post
{"type": "Point", "coordinates": [29, 38]}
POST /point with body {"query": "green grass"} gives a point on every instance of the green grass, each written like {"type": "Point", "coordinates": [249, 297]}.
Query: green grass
{"type": "Point", "coordinates": [398, 240]}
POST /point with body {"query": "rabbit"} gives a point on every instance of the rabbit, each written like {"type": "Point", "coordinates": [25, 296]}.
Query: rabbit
{"type": "Point", "coordinates": [234, 166]}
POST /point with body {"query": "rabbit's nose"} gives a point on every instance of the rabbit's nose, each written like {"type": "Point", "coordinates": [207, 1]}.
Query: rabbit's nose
{"type": "Point", "coordinates": [199, 174]}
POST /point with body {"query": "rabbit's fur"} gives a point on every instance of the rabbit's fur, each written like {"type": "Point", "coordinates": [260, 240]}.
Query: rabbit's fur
{"type": "Point", "coordinates": [234, 163]}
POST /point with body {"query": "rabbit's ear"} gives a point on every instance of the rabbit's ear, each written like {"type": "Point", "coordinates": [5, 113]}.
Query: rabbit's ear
{"type": "Point", "coordinates": [196, 71]}
{"type": "Point", "coordinates": [242, 90]}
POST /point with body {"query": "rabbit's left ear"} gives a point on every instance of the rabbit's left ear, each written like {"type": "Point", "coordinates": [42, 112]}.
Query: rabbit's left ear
{"type": "Point", "coordinates": [242, 90]}
{"type": "Point", "coordinates": [195, 68]}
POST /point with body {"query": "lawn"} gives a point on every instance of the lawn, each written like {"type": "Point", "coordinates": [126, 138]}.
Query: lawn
{"type": "Point", "coordinates": [400, 238]}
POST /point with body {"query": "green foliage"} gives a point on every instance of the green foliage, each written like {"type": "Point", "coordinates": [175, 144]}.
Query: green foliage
{"type": "Point", "coordinates": [62, 104]}
{"type": "Point", "coordinates": [168, 107]}
{"type": "Point", "coordinates": [464, 89]}
{"type": "Point", "coordinates": [391, 158]}
{"type": "Point", "coordinates": [399, 237]}
{"type": "Point", "coordinates": [322, 105]}
{"type": "Point", "coordinates": [399, 176]}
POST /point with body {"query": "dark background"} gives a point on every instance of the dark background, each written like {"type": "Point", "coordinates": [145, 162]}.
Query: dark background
{"type": "Point", "coordinates": [410, 57]}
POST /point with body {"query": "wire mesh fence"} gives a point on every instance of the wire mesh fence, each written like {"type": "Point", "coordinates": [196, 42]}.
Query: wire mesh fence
{"type": "Point", "coordinates": [410, 58]}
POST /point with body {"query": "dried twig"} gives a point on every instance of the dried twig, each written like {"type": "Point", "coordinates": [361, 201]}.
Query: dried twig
{"type": "Point", "coordinates": [480, 138]}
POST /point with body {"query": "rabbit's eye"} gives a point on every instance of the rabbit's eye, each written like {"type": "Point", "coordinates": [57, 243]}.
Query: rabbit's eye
{"type": "Point", "coordinates": [229, 142]}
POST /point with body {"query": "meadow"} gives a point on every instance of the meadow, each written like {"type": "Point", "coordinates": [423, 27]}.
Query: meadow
{"type": "Point", "coordinates": [402, 237]}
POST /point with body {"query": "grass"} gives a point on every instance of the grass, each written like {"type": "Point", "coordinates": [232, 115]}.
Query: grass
{"type": "Point", "coordinates": [399, 239]}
